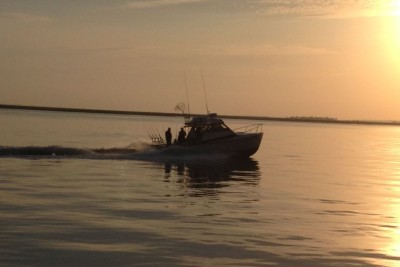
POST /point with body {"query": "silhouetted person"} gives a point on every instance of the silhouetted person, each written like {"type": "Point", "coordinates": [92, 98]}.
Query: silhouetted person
{"type": "Point", "coordinates": [181, 136]}
{"type": "Point", "coordinates": [168, 136]}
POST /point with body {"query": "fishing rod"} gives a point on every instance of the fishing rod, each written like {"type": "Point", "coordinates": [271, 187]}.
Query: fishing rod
{"type": "Point", "coordinates": [204, 89]}
{"type": "Point", "coordinates": [160, 138]}
{"type": "Point", "coordinates": [154, 136]}
{"type": "Point", "coordinates": [151, 135]}
{"type": "Point", "coordinates": [187, 94]}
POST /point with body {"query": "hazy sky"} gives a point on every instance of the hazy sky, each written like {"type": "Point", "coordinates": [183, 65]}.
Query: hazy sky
{"type": "Point", "coordinates": [259, 57]}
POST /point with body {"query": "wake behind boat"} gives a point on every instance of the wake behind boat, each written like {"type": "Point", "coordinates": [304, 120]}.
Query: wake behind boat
{"type": "Point", "coordinates": [209, 135]}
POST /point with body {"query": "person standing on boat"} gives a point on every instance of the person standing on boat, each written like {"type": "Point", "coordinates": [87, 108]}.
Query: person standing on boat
{"type": "Point", "coordinates": [181, 136]}
{"type": "Point", "coordinates": [168, 136]}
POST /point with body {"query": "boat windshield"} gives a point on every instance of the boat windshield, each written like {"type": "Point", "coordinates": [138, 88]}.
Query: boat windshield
{"type": "Point", "coordinates": [207, 128]}
{"type": "Point", "coordinates": [204, 121]}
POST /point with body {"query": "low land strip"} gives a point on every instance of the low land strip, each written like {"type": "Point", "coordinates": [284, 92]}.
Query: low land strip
{"type": "Point", "coordinates": [166, 114]}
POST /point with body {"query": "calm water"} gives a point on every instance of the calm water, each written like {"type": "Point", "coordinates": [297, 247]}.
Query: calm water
{"type": "Point", "coordinates": [313, 195]}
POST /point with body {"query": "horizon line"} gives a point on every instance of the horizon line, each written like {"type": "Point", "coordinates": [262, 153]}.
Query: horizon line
{"type": "Point", "coordinates": [303, 119]}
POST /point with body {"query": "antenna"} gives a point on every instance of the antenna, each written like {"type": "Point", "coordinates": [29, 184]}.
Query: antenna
{"type": "Point", "coordinates": [205, 94]}
{"type": "Point", "coordinates": [187, 95]}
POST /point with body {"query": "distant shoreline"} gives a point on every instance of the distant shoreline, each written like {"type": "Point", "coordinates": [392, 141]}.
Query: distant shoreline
{"type": "Point", "coordinates": [166, 114]}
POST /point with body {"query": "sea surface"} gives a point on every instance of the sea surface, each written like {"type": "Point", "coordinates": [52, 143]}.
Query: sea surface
{"type": "Point", "coordinates": [81, 190]}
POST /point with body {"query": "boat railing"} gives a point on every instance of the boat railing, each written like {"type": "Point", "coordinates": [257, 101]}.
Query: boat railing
{"type": "Point", "coordinates": [254, 128]}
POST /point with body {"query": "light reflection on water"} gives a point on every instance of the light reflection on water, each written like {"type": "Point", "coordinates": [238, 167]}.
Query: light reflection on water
{"type": "Point", "coordinates": [393, 230]}
{"type": "Point", "coordinates": [314, 195]}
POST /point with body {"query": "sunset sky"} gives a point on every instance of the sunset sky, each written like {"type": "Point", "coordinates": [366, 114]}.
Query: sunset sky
{"type": "Point", "coordinates": [258, 57]}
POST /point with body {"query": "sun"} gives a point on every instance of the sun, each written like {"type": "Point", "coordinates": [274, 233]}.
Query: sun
{"type": "Point", "coordinates": [396, 23]}
{"type": "Point", "coordinates": [390, 13]}
{"type": "Point", "coordinates": [394, 8]}
{"type": "Point", "coordinates": [393, 12]}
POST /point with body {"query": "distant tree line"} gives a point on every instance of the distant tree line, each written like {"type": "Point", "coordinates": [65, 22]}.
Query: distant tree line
{"type": "Point", "coordinates": [316, 118]}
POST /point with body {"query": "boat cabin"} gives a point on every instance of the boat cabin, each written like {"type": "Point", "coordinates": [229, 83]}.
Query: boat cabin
{"type": "Point", "coordinates": [207, 128]}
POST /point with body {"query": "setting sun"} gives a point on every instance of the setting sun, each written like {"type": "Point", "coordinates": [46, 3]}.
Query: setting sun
{"type": "Point", "coordinates": [395, 8]}
{"type": "Point", "coordinates": [395, 38]}
{"type": "Point", "coordinates": [391, 16]}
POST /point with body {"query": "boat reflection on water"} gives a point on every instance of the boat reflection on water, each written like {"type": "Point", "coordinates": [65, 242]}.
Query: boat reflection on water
{"type": "Point", "coordinates": [209, 177]}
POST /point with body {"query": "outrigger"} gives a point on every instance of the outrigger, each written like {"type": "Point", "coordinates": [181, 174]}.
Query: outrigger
{"type": "Point", "coordinates": [209, 135]}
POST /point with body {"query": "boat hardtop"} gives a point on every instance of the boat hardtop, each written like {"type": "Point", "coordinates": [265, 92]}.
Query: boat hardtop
{"type": "Point", "coordinates": [210, 119]}
{"type": "Point", "coordinates": [207, 128]}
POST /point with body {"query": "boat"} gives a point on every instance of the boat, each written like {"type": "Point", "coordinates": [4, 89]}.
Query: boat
{"type": "Point", "coordinates": [209, 135]}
